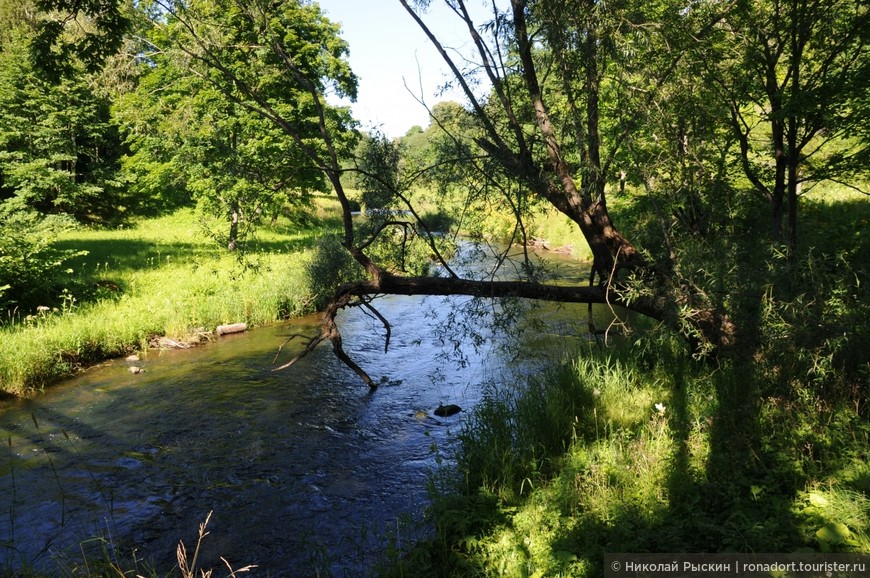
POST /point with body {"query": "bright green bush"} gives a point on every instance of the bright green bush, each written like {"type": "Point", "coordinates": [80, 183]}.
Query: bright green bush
{"type": "Point", "coordinates": [330, 265]}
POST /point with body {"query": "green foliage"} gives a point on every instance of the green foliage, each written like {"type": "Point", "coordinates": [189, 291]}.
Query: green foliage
{"type": "Point", "coordinates": [639, 448]}
{"type": "Point", "coordinates": [59, 42]}
{"type": "Point", "coordinates": [448, 171]}
{"type": "Point", "coordinates": [330, 266]}
{"type": "Point", "coordinates": [515, 436]}
{"type": "Point", "coordinates": [30, 266]}
{"type": "Point", "coordinates": [836, 519]}
{"type": "Point", "coordinates": [378, 178]}
{"type": "Point", "coordinates": [191, 136]}
{"type": "Point", "coordinates": [439, 221]}
{"type": "Point", "coordinates": [59, 148]}
{"type": "Point", "coordinates": [558, 232]}
{"type": "Point", "coordinates": [802, 119]}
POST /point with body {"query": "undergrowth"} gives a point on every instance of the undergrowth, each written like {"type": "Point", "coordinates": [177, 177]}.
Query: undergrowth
{"type": "Point", "coordinates": [608, 455]}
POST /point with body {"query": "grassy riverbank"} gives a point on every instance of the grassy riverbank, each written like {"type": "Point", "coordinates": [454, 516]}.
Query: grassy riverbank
{"type": "Point", "coordinates": [641, 448]}
{"type": "Point", "coordinates": [613, 453]}
{"type": "Point", "coordinates": [157, 277]}
{"type": "Point", "coordinates": [168, 277]}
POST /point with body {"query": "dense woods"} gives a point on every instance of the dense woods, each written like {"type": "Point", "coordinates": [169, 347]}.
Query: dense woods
{"type": "Point", "coordinates": [715, 157]}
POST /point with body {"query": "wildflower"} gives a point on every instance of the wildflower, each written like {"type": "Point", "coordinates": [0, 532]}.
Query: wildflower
{"type": "Point", "coordinates": [660, 407]}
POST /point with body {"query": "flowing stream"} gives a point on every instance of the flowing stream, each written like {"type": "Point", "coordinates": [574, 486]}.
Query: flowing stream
{"type": "Point", "coordinates": [305, 471]}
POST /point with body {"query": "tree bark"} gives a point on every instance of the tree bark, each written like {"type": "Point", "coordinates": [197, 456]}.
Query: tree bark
{"type": "Point", "coordinates": [611, 250]}
{"type": "Point", "coordinates": [388, 284]}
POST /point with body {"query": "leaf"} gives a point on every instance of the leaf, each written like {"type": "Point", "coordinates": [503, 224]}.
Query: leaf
{"type": "Point", "coordinates": [818, 500]}
{"type": "Point", "coordinates": [833, 533]}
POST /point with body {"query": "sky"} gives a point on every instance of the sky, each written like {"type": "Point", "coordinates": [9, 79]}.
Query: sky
{"type": "Point", "coordinates": [389, 51]}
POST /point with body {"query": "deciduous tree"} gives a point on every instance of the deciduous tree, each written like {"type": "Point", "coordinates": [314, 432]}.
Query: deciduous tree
{"type": "Point", "coordinates": [59, 147]}
{"type": "Point", "coordinates": [578, 95]}
{"type": "Point", "coordinates": [794, 77]}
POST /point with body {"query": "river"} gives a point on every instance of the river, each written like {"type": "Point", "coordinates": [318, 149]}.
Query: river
{"type": "Point", "coordinates": [306, 472]}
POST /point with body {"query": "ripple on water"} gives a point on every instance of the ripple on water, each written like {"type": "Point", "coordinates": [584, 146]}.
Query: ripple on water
{"type": "Point", "coordinates": [302, 468]}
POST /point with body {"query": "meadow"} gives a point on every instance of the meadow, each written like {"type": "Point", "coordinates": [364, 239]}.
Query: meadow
{"type": "Point", "coordinates": [159, 277]}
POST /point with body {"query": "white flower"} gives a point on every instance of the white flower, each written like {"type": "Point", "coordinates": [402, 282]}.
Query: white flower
{"type": "Point", "coordinates": [660, 407]}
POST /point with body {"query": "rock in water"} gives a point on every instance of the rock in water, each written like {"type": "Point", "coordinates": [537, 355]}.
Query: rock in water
{"type": "Point", "coordinates": [134, 370]}
{"type": "Point", "coordinates": [447, 410]}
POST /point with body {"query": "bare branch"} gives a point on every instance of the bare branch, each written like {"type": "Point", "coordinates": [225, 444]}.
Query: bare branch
{"type": "Point", "coordinates": [367, 304]}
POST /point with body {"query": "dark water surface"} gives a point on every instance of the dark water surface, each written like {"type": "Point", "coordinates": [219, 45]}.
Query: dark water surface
{"type": "Point", "coordinates": [305, 471]}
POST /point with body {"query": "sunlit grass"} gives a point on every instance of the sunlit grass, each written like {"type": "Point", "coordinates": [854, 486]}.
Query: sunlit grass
{"type": "Point", "coordinates": [160, 277]}
{"type": "Point", "coordinates": [560, 233]}
{"type": "Point", "coordinates": [620, 453]}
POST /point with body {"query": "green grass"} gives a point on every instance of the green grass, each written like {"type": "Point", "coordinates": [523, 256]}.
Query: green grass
{"type": "Point", "coordinates": [610, 455]}
{"type": "Point", "coordinates": [560, 233]}
{"type": "Point", "coordinates": [159, 277]}
{"type": "Point", "coordinates": [640, 448]}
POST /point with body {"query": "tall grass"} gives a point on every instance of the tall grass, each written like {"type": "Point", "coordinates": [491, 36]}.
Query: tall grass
{"type": "Point", "coordinates": [641, 448]}
{"type": "Point", "coordinates": [560, 232]}
{"type": "Point", "coordinates": [161, 277]}
{"type": "Point", "coordinates": [610, 454]}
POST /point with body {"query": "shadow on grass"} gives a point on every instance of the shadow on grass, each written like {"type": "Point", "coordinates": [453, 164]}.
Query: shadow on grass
{"type": "Point", "coordinates": [835, 225]}
{"type": "Point", "coordinates": [743, 502]}
{"type": "Point", "coordinates": [107, 256]}
{"type": "Point", "coordinates": [104, 272]}
{"type": "Point", "coordinates": [766, 440]}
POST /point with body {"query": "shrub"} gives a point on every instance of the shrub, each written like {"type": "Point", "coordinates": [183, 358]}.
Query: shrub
{"type": "Point", "coordinates": [29, 264]}
{"type": "Point", "coordinates": [330, 266]}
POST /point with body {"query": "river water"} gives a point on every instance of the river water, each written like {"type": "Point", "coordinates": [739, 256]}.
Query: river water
{"type": "Point", "coordinates": [306, 472]}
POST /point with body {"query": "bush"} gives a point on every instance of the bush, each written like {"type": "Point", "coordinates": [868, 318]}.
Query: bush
{"type": "Point", "coordinates": [439, 221]}
{"type": "Point", "coordinates": [330, 266]}
{"type": "Point", "coordinates": [29, 266]}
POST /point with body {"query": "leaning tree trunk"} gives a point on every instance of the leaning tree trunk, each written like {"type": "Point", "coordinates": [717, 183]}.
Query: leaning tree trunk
{"type": "Point", "coordinates": [510, 144]}
{"type": "Point", "coordinates": [706, 328]}
{"type": "Point", "coordinates": [611, 250]}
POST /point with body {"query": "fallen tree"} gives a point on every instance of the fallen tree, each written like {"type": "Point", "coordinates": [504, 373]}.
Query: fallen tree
{"type": "Point", "coordinates": [360, 294]}
{"type": "Point", "coordinates": [252, 62]}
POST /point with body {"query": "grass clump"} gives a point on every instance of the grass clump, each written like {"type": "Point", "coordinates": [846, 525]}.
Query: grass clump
{"type": "Point", "coordinates": [642, 448]}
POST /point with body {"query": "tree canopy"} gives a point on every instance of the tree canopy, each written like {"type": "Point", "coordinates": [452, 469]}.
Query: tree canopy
{"type": "Point", "coordinates": [709, 117]}
{"type": "Point", "coordinates": [59, 146]}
